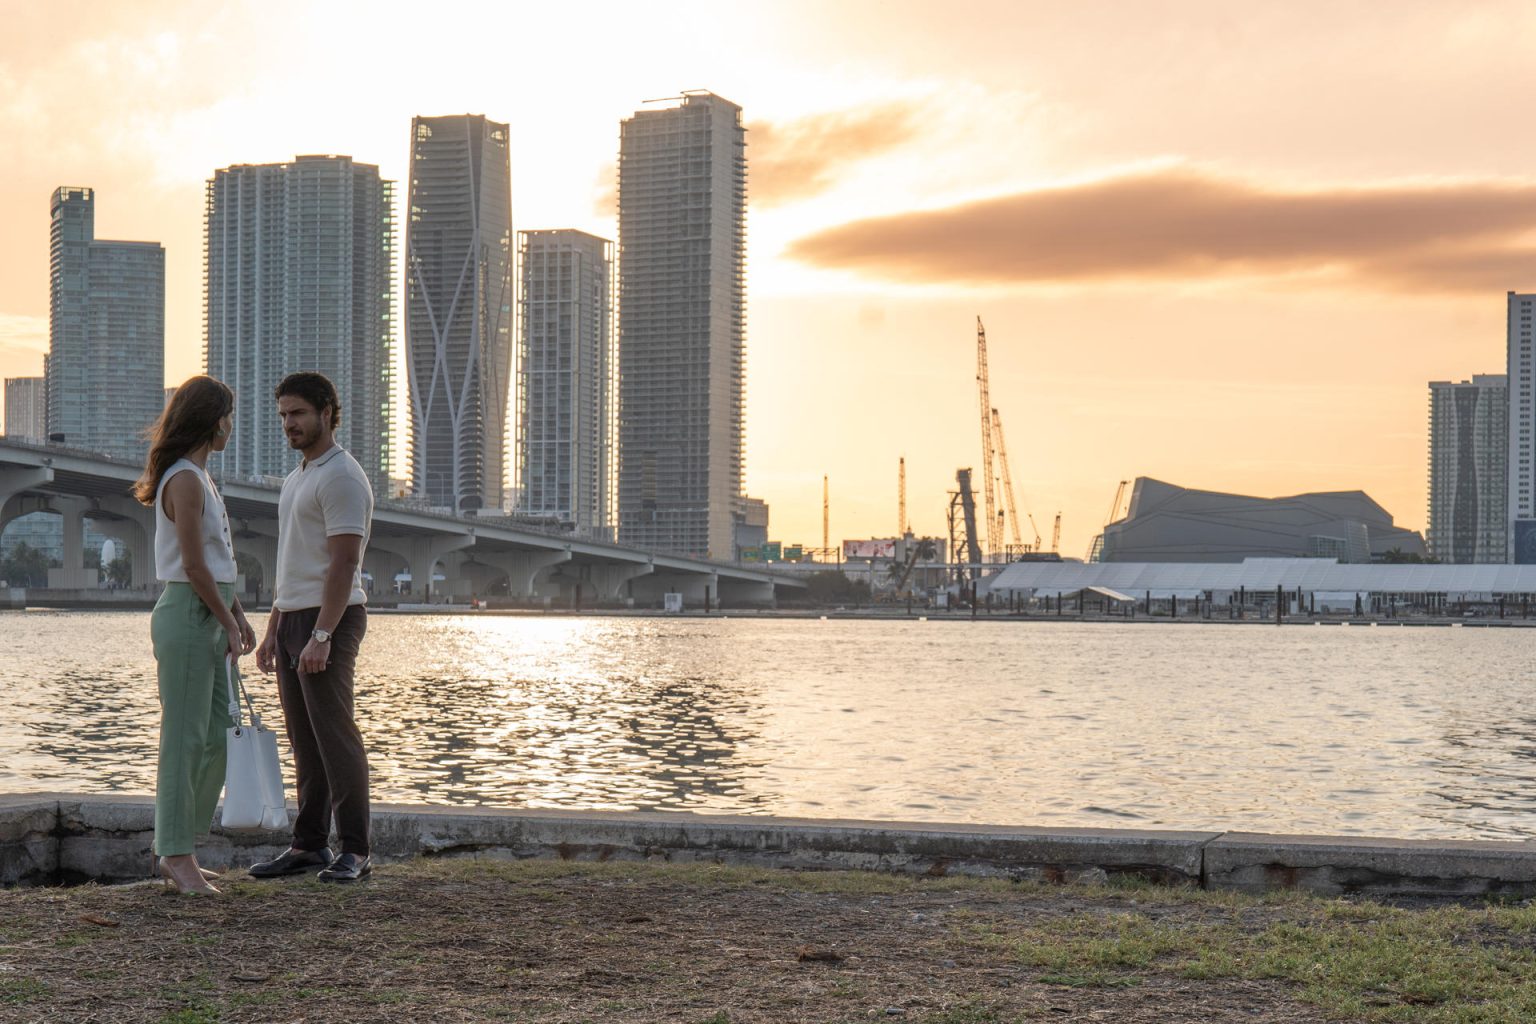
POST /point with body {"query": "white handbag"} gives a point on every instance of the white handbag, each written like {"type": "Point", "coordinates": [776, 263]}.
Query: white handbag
{"type": "Point", "coordinates": [253, 780]}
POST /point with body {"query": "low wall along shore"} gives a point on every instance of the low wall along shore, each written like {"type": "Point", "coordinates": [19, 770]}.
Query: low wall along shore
{"type": "Point", "coordinates": [50, 839]}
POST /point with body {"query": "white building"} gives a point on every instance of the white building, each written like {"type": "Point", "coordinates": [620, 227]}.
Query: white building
{"type": "Point", "coordinates": [567, 403]}
{"type": "Point", "coordinates": [26, 409]}
{"type": "Point", "coordinates": [458, 310]}
{"type": "Point", "coordinates": [106, 332]}
{"type": "Point", "coordinates": [682, 325]}
{"type": "Point", "coordinates": [299, 276]}
{"type": "Point", "coordinates": [1468, 470]}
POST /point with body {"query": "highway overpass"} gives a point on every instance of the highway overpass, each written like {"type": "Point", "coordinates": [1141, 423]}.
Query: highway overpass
{"type": "Point", "coordinates": [476, 556]}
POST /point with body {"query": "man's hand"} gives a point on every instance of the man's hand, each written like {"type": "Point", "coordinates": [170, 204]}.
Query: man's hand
{"type": "Point", "coordinates": [315, 657]}
{"type": "Point", "coordinates": [266, 654]}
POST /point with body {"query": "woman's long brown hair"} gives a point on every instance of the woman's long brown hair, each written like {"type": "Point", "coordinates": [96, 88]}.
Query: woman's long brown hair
{"type": "Point", "coordinates": [191, 418]}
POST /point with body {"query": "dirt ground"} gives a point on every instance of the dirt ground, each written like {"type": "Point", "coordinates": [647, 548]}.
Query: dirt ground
{"type": "Point", "coordinates": [492, 941]}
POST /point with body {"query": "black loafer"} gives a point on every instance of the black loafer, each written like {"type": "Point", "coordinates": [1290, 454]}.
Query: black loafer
{"type": "Point", "coordinates": [349, 867]}
{"type": "Point", "coordinates": [292, 862]}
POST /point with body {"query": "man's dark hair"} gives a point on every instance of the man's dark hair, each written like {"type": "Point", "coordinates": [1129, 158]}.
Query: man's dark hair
{"type": "Point", "coordinates": [314, 388]}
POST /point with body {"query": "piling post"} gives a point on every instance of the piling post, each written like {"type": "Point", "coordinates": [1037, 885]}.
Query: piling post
{"type": "Point", "coordinates": [1279, 604]}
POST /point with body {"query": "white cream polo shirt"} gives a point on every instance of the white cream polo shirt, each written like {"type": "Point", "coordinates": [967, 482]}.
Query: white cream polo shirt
{"type": "Point", "coordinates": [324, 498]}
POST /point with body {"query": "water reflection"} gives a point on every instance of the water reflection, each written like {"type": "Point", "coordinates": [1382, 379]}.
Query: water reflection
{"type": "Point", "coordinates": [1411, 732]}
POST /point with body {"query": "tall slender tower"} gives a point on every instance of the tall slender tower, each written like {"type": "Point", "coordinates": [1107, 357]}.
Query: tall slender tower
{"type": "Point", "coordinates": [106, 332]}
{"type": "Point", "coordinates": [682, 325]}
{"type": "Point", "coordinates": [566, 400]}
{"type": "Point", "coordinates": [298, 274]}
{"type": "Point", "coordinates": [458, 310]}
{"type": "Point", "coordinates": [1468, 470]}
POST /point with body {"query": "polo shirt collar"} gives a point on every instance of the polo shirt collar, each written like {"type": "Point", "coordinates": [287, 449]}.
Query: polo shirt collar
{"type": "Point", "coordinates": [322, 460]}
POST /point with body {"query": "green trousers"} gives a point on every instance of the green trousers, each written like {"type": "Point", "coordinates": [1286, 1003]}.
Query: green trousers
{"type": "Point", "coordinates": [194, 712]}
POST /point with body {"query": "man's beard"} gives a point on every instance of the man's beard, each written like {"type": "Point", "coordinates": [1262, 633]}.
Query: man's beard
{"type": "Point", "coordinates": [300, 441]}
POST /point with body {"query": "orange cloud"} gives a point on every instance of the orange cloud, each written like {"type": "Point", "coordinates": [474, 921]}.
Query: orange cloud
{"type": "Point", "coordinates": [1180, 224]}
{"type": "Point", "coordinates": [796, 159]}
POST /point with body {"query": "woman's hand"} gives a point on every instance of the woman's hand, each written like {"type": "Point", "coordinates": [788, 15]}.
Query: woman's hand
{"type": "Point", "coordinates": [247, 634]}
{"type": "Point", "coordinates": [236, 635]}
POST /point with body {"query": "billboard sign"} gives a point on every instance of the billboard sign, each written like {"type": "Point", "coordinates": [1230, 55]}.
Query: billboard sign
{"type": "Point", "coordinates": [869, 548]}
{"type": "Point", "coordinates": [773, 551]}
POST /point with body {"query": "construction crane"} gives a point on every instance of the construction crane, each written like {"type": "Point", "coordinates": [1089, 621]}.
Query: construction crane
{"type": "Point", "coordinates": [1096, 548]}
{"type": "Point", "coordinates": [826, 519]}
{"type": "Point", "coordinates": [1115, 508]}
{"type": "Point", "coordinates": [970, 553]}
{"type": "Point", "coordinates": [1036, 529]}
{"type": "Point", "coordinates": [917, 550]}
{"type": "Point", "coordinates": [1056, 534]}
{"type": "Point", "coordinates": [1013, 514]}
{"type": "Point", "coordinates": [994, 534]}
{"type": "Point", "coordinates": [902, 529]}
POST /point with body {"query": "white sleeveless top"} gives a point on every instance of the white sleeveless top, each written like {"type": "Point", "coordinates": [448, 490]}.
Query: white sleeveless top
{"type": "Point", "coordinates": [218, 549]}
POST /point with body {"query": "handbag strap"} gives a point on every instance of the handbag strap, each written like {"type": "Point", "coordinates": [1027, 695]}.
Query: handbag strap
{"type": "Point", "coordinates": [237, 691]}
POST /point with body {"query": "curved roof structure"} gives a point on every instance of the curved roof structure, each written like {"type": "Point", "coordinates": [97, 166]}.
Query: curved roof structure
{"type": "Point", "coordinates": [1168, 523]}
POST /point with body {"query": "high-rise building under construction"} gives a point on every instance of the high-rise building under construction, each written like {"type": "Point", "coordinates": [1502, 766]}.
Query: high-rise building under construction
{"type": "Point", "coordinates": [682, 325]}
{"type": "Point", "coordinates": [458, 310]}
{"type": "Point", "coordinates": [299, 276]}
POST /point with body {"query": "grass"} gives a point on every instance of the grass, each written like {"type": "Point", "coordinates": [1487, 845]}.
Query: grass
{"type": "Point", "coordinates": [1444, 965]}
{"type": "Point", "coordinates": [626, 943]}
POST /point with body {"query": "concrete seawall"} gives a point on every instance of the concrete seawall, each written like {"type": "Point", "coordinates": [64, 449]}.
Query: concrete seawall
{"type": "Point", "coordinates": [48, 839]}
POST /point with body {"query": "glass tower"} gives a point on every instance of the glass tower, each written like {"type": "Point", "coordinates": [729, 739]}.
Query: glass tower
{"type": "Point", "coordinates": [106, 333]}
{"type": "Point", "coordinates": [299, 270]}
{"type": "Point", "coordinates": [565, 380]}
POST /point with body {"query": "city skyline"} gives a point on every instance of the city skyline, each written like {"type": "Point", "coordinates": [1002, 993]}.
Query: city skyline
{"type": "Point", "coordinates": [1234, 262]}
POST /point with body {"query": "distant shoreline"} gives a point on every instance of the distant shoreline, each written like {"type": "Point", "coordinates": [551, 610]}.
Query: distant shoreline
{"type": "Point", "coordinates": [897, 614]}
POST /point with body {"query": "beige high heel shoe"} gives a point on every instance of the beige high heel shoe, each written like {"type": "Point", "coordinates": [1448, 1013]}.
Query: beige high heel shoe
{"type": "Point", "coordinates": [182, 886]}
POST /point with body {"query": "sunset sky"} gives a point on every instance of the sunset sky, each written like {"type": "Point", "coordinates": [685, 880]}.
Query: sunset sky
{"type": "Point", "coordinates": [1224, 244]}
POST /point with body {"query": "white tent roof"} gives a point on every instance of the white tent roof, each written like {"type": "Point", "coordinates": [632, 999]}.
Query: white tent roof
{"type": "Point", "coordinates": [1257, 575]}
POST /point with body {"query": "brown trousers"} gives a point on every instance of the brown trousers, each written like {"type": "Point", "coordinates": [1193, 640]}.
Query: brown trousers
{"type": "Point", "coordinates": [329, 761]}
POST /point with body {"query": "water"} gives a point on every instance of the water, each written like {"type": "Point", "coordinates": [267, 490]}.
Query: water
{"type": "Point", "coordinates": [1409, 732]}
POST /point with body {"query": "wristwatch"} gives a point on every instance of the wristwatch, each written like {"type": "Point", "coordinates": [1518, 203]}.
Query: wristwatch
{"type": "Point", "coordinates": [322, 635]}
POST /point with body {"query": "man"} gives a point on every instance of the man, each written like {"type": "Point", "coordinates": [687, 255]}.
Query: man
{"type": "Point", "coordinates": [317, 624]}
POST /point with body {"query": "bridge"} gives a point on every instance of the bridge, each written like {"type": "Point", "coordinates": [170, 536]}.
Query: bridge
{"type": "Point", "coordinates": [475, 556]}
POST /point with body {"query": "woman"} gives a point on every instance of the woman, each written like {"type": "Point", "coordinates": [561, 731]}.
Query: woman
{"type": "Point", "coordinates": [196, 622]}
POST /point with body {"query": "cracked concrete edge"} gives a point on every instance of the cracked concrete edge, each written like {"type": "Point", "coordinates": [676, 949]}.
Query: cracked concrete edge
{"type": "Point", "coordinates": [49, 838]}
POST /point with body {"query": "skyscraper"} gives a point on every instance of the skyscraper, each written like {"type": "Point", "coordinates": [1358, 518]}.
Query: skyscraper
{"type": "Point", "coordinates": [106, 332]}
{"type": "Point", "coordinates": [458, 309]}
{"type": "Point", "coordinates": [1521, 360]}
{"type": "Point", "coordinates": [1468, 469]}
{"type": "Point", "coordinates": [566, 394]}
{"type": "Point", "coordinates": [26, 409]}
{"type": "Point", "coordinates": [299, 269]}
{"type": "Point", "coordinates": [682, 325]}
